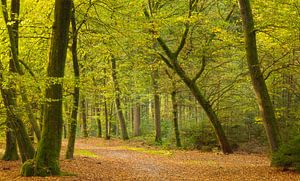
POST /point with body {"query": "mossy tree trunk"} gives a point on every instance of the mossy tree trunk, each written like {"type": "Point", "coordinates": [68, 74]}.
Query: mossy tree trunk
{"type": "Point", "coordinates": [76, 94]}
{"type": "Point", "coordinates": [258, 82]}
{"type": "Point", "coordinates": [9, 95]}
{"type": "Point", "coordinates": [46, 161]}
{"type": "Point", "coordinates": [13, 32]}
{"type": "Point", "coordinates": [118, 100]}
{"type": "Point", "coordinates": [24, 143]}
{"type": "Point", "coordinates": [11, 151]}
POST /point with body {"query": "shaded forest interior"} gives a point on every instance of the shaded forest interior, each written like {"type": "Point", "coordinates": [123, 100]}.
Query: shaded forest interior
{"type": "Point", "coordinates": [207, 75]}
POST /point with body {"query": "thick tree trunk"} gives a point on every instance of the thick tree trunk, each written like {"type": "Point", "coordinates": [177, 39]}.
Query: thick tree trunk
{"type": "Point", "coordinates": [175, 118]}
{"type": "Point", "coordinates": [137, 120]}
{"type": "Point", "coordinates": [118, 101]}
{"type": "Point", "coordinates": [46, 161]}
{"type": "Point", "coordinates": [11, 151]}
{"type": "Point", "coordinates": [258, 82]}
{"type": "Point", "coordinates": [84, 117]}
{"type": "Point", "coordinates": [156, 107]}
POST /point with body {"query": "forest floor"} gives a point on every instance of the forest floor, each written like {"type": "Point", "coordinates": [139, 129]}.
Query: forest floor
{"type": "Point", "coordinates": [98, 159]}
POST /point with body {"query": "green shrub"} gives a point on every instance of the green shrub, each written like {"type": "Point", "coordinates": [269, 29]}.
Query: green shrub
{"type": "Point", "coordinates": [288, 155]}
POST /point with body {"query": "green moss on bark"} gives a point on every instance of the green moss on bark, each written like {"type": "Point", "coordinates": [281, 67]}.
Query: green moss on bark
{"type": "Point", "coordinates": [27, 168]}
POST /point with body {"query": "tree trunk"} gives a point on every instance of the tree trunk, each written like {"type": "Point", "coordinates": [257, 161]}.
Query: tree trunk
{"type": "Point", "coordinates": [225, 146]}
{"type": "Point", "coordinates": [74, 113]}
{"type": "Point", "coordinates": [11, 151]}
{"type": "Point", "coordinates": [156, 107]}
{"type": "Point", "coordinates": [84, 117]}
{"type": "Point", "coordinates": [175, 118]}
{"type": "Point", "coordinates": [9, 95]}
{"type": "Point", "coordinates": [25, 146]}
{"type": "Point", "coordinates": [118, 101]}
{"type": "Point", "coordinates": [46, 161]}
{"type": "Point", "coordinates": [107, 127]}
{"type": "Point", "coordinates": [13, 32]}
{"type": "Point", "coordinates": [137, 120]}
{"type": "Point", "coordinates": [99, 126]}
{"type": "Point", "coordinates": [258, 82]}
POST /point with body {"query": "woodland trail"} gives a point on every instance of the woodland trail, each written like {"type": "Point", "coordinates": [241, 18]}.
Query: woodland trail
{"type": "Point", "coordinates": [97, 159]}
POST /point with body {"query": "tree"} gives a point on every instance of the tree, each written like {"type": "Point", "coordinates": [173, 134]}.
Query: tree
{"type": "Point", "coordinates": [9, 95]}
{"type": "Point", "coordinates": [118, 99]}
{"type": "Point", "coordinates": [171, 60]}
{"type": "Point", "coordinates": [46, 161]}
{"type": "Point", "coordinates": [73, 124]}
{"type": "Point", "coordinates": [137, 119]}
{"type": "Point", "coordinates": [83, 108]}
{"type": "Point", "coordinates": [258, 82]}
{"type": "Point", "coordinates": [155, 76]}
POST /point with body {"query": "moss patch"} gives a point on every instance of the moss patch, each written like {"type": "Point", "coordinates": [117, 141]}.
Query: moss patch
{"type": "Point", "coordinates": [86, 153]}
{"type": "Point", "coordinates": [148, 151]}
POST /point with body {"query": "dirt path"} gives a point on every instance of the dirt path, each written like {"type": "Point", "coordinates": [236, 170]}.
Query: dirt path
{"type": "Point", "coordinates": [97, 159]}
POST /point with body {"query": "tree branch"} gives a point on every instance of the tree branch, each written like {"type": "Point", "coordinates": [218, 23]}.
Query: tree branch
{"type": "Point", "coordinates": [165, 48]}
{"type": "Point", "coordinates": [197, 76]}
{"type": "Point", "coordinates": [168, 63]}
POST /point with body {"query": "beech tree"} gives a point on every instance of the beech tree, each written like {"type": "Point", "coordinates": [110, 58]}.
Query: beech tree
{"type": "Point", "coordinates": [258, 81]}
{"type": "Point", "coordinates": [14, 120]}
{"type": "Point", "coordinates": [46, 161]}
{"type": "Point", "coordinates": [171, 60]}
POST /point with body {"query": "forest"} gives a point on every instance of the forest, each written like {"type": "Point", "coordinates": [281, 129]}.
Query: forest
{"type": "Point", "coordinates": [150, 90]}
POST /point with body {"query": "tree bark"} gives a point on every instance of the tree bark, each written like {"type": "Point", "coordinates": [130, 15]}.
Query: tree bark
{"type": "Point", "coordinates": [13, 32]}
{"type": "Point", "coordinates": [46, 161]}
{"type": "Point", "coordinates": [25, 146]}
{"type": "Point", "coordinates": [99, 126]}
{"type": "Point", "coordinates": [84, 117]}
{"type": "Point", "coordinates": [156, 107]}
{"type": "Point", "coordinates": [175, 118]}
{"type": "Point", "coordinates": [258, 82]}
{"type": "Point", "coordinates": [11, 151]}
{"type": "Point", "coordinates": [137, 119]}
{"type": "Point", "coordinates": [118, 100]}
{"type": "Point", "coordinates": [107, 125]}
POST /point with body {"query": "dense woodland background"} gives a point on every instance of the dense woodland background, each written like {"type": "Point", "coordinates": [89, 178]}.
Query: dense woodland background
{"type": "Point", "coordinates": [118, 64]}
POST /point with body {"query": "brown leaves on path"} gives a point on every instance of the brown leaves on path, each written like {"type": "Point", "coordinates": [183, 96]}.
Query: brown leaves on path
{"type": "Point", "coordinates": [97, 159]}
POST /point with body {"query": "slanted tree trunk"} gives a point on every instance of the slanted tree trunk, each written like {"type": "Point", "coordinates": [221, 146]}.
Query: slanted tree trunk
{"type": "Point", "coordinates": [258, 82]}
{"type": "Point", "coordinates": [156, 107]}
{"type": "Point", "coordinates": [171, 60]}
{"type": "Point", "coordinates": [46, 161]}
{"type": "Point", "coordinates": [118, 100]}
{"type": "Point", "coordinates": [11, 151]}
{"type": "Point", "coordinates": [137, 119]}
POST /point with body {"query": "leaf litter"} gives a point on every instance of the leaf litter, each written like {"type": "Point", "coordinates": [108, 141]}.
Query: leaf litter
{"type": "Point", "coordinates": [99, 159]}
